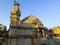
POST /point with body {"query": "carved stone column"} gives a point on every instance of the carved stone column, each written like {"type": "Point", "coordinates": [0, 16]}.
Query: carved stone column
{"type": "Point", "coordinates": [6, 41]}
{"type": "Point", "coordinates": [32, 41]}
{"type": "Point", "coordinates": [42, 33]}
{"type": "Point", "coordinates": [17, 41]}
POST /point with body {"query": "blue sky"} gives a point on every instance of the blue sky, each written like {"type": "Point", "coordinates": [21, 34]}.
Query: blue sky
{"type": "Point", "coordinates": [48, 11]}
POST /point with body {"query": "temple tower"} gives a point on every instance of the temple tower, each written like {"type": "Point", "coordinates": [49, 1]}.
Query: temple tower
{"type": "Point", "coordinates": [14, 26]}
{"type": "Point", "coordinates": [15, 15]}
{"type": "Point", "coordinates": [14, 19]}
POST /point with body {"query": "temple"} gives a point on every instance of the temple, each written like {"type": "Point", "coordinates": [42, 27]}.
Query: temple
{"type": "Point", "coordinates": [28, 31]}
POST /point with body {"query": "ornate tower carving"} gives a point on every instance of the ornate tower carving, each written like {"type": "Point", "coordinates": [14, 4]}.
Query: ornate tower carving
{"type": "Point", "coordinates": [15, 15]}
{"type": "Point", "coordinates": [14, 19]}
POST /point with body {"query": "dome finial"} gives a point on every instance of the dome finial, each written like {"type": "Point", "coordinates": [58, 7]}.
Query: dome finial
{"type": "Point", "coordinates": [15, 3]}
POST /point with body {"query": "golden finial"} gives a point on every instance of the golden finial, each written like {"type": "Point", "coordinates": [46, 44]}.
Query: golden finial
{"type": "Point", "coordinates": [16, 3]}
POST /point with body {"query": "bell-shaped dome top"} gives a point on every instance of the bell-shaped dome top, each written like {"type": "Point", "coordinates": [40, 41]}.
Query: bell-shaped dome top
{"type": "Point", "coordinates": [32, 20]}
{"type": "Point", "coordinates": [15, 9]}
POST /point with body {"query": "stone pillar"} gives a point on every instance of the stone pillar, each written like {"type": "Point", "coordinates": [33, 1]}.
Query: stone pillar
{"type": "Point", "coordinates": [32, 41]}
{"type": "Point", "coordinates": [37, 36]}
{"type": "Point", "coordinates": [1, 42]}
{"type": "Point", "coordinates": [17, 41]}
{"type": "Point", "coordinates": [10, 41]}
{"type": "Point", "coordinates": [42, 33]}
{"type": "Point", "coordinates": [36, 41]}
{"type": "Point", "coordinates": [6, 41]}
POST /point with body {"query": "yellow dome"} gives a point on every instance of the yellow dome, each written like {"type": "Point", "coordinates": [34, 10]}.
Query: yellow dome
{"type": "Point", "coordinates": [56, 30]}
{"type": "Point", "coordinates": [31, 19]}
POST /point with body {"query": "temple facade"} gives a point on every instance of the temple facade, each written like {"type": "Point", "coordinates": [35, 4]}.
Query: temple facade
{"type": "Point", "coordinates": [23, 32]}
{"type": "Point", "coordinates": [28, 31]}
